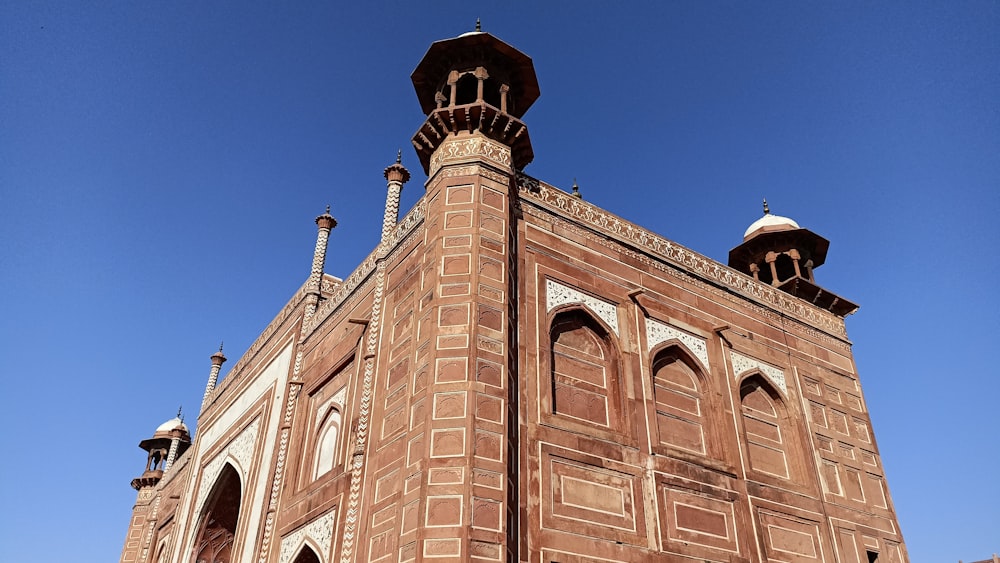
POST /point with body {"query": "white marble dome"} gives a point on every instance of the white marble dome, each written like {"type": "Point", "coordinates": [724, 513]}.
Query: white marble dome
{"type": "Point", "coordinates": [770, 222]}
{"type": "Point", "coordinates": [172, 424]}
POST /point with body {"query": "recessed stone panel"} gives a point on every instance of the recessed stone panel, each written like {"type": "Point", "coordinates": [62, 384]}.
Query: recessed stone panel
{"type": "Point", "coordinates": [489, 408]}
{"type": "Point", "coordinates": [583, 498]}
{"type": "Point", "coordinates": [457, 265]}
{"type": "Point", "coordinates": [457, 220]}
{"type": "Point", "coordinates": [454, 289]}
{"type": "Point", "coordinates": [485, 551]}
{"type": "Point", "coordinates": [448, 442]}
{"type": "Point", "coordinates": [490, 318]}
{"type": "Point", "coordinates": [491, 224]}
{"type": "Point", "coordinates": [442, 548]}
{"type": "Point", "coordinates": [459, 194]}
{"type": "Point", "coordinates": [449, 405]}
{"type": "Point", "coordinates": [452, 341]}
{"type": "Point", "coordinates": [446, 476]}
{"type": "Point", "coordinates": [491, 293]}
{"type": "Point", "coordinates": [489, 479]}
{"type": "Point", "coordinates": [410, 517]}
{"type": "Point", "coordinates": [492, 198]}
{"type": "Point", "coordinates": [457, 241]}
{"type": "Point", "coordinates": [489, 445]}
{"type": "Point", "coordinates": [491, 269]}
{"type": "Point", "coordinates": [790, 539]}
{"type": "Point", "coordinates": [386, 485]}
{"type": "Point", "coordinates": [444, 510]}
{"type": "Point", "coordinates": [695, 519]}
{"type": "Point", "coordinates": [487, 514]}
{"type": "Point", "coordinates": [490, 373]}
{"type": "Point", "coordinates": [449, 370]}
{"type": "Point", "coordinates": [453, 315]}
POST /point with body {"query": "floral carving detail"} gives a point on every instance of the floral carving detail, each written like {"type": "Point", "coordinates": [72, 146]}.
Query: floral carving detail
{"type": "Point", "coordinates": [240, 449]}
{"type": "Point", "coordinates": [657, 333]}
{"type": "Point", "coordinates": [743, 364]}
{"type": "Point", "coordinates": [320, 531]}
{"type": "Point", "coordinates": [557, 294]}
{"type": "Point", "coordinates": [470, 147]}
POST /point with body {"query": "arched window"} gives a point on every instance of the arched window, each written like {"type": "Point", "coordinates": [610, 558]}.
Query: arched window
{"type": "Point", "coordinates": [467, 89]}
{"type": "Point", "coordinates": [307, 555]}
{"type": "Point", "coordinates": [584, 371]}
{"type": "Point", "coordinates": [679, 403]}
{"type": "Point", "coordinates": [767, 442]}
{"type": "Point", "coordinates": [326, 447]}
{"type": "Point", "coordinates": [217, 528]}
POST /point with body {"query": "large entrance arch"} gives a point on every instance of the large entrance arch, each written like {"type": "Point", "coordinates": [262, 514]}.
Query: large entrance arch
{"type": "Point", "coordinates": [217, 528]}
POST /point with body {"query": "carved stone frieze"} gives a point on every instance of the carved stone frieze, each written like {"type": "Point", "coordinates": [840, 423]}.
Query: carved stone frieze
{"type": "Point", "coordinates": [743, 364]}
{"type": "Point", "coordinates": [604, 222]}
{"type": "Point", "coordinates": [319, 531]}
{"type": "Point", "coordinates": [657, 333]}
{"type": "Point", "coordinates": [459, 149]}
{"type": "Point", "coordinates": [557, 294]}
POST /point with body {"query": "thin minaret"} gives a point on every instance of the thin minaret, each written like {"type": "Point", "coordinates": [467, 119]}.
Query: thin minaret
{"type": "Point", "coordinates": [213, 377]}
{"type": "Point", "coordinates": [325, 223]}
{"type": "Point", "coordinates": [175, 443]}
{"type": "Point", "coordinates": [396, 175]}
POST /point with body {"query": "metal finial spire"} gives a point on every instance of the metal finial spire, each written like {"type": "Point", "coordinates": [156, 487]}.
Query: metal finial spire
{"type": "Point", "coordinates": [576, 189]}
{"type": "Point", "coordinates": [479, 27]}
{"type": "Point", "coordinates": [767, 210]}
{"type": "Point", "coordinates": [180, 413]}
{"type": "Point", "coordinates": [399, 156]}
{"type": "Point", "coordinates": [220, 346]}
{"type": "Point", "coordinates": [327, 212]}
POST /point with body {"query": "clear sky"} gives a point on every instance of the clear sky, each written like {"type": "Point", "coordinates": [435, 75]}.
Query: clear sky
{"type": "Point", "coordinates": [161, 164]}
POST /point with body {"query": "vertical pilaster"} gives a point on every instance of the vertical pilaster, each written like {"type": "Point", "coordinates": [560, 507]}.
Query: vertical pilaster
{"type": "Point", "coordinates": [464, 382]}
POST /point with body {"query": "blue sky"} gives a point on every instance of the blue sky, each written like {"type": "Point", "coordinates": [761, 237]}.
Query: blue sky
{"type": "Point", "coordinates": [161, 164]}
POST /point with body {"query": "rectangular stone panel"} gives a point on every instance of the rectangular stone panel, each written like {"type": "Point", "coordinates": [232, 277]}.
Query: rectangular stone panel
{"type": "Point", "coordinates": [457, 220]}
{"type": "Point", "coordinates": [451, 547]}
{"type": "Point", "coordinates": [448, 442]}
{"type": "Point", "coordinates": [681, 433]}
{"type": "Point", "coordinates": [790, 539]}
{"type": "Point", "coordinates": [455, 195]}
{"type": "Point", "coordinates": [694, 519]}
{"type": "Point", "coordinates": [443, 510]}
{"type": "Point", "coordinates": [583, 498]}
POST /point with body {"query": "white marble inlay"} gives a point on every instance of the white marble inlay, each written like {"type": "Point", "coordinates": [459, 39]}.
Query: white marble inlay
{"type": "Point", "coordinates": [557, 294]}
{"type": "Point", "coordinates": [240, 449]}
{"type": "Point", "coordinates": [743, 364]}
{"type": "Point", "coordinates": [320, 531]}
{"type": "Point", "coordinates": [657, 333]}
{"type": "Point", "coordinates": [336, 400]}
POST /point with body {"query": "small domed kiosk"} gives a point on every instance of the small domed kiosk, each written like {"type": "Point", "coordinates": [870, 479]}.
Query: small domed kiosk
{"type": "Point", "coordinates": [777, 251]}
{"type": "Point", "coordinates": [170, 440]}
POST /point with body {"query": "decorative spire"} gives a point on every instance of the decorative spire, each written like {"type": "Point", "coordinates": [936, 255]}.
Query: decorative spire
{"type": "Point", "coordinates": [479, 27]}
{"type": "Point", "coordinates": [767, 210]}
{"type": "Point", "coordinates": [180, 413]}
{"type": "Point", "coordinates": [395, 175]}
{"type": "Point", "coordinates": [576, 190]}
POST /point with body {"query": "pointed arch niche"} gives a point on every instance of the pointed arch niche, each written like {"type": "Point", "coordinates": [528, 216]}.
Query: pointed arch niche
{"type": "Point", "coordinates": [766, 427]}
{"type": "Point", "coordinates": [584, 371]}
{"type": "Point", "coordinates": [217, 526]}
{"type": "Point", "coordinates": [679, 393]}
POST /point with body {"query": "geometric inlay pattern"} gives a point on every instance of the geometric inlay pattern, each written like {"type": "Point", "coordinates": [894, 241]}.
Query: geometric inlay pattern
{"type": "Point", "coordinates": [657, 332]}
{"type": "Point", "coordinates": [557, 294]}
{"type": "Point", "coordinates": [320, 531]}
{"type": "Point", "coordinates": [743, 364]}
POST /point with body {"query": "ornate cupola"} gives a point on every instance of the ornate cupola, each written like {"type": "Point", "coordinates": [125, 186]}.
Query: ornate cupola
{"type": "Point", "coordinates": [777, 251]}
{"type": "Point", "coordinates": [474, 83]}
{"type": "Point", "coordinates": [170, 440]}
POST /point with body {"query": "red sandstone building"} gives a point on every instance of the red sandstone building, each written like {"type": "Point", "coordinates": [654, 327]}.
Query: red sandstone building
{"type": "Point", "coordinates": [514, 374]}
